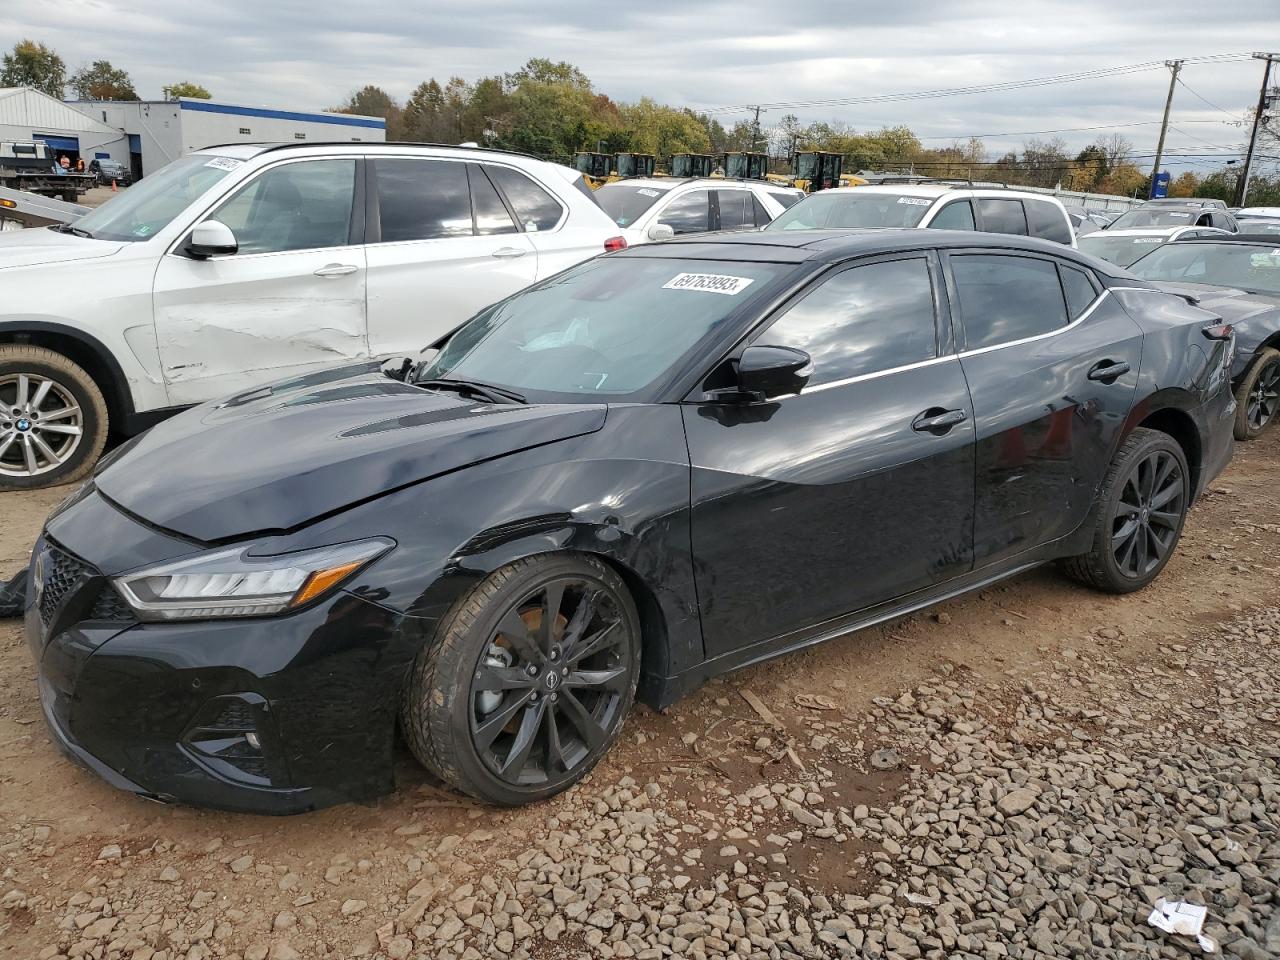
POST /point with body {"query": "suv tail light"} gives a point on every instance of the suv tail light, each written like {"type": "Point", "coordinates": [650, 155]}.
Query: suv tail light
{"type": "Point", "coordinates": [615, 243]}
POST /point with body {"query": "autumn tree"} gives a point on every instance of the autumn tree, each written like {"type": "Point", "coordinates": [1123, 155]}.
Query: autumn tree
{"type": "Point", "coordinates": [32, 64]}
{"type": "Point", "coordinates": [184, 88]}
{"type": "Point", "coordinates": [102, 81]}
{"type": "Point", "coordinates": [1185, 185]}
{"type": "Point", "coordinates": [372, 101]}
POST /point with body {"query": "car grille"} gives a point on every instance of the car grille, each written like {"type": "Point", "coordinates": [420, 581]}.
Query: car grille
{"type": "Point", "coordinates": [62, 574]}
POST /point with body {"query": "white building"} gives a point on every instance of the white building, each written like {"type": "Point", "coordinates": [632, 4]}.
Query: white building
{"type": "Point", "coordinates": [146, 135]}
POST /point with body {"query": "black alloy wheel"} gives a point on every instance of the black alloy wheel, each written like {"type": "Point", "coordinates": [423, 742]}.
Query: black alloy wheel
{"type": "Point", "coordinates": [1264, 395]}
{"type": "Point", "coordinates": [1149, 515]}
{"type": "Point", "coordinates": [528, 679]}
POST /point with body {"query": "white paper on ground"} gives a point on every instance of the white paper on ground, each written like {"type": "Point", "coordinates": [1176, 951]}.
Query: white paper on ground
{"type": "Point", "coordinates": [1186, 919]}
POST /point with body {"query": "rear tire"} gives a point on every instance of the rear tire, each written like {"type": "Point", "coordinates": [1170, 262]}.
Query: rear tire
{"type": "Point", "coordinates": [509, 713]}
{"type": "Point", "coordinates": [1258, 395]}
{"type": "Point", "coordinates": [37, 447]}
{"type": "Point", "coordinates": [1138, 518]}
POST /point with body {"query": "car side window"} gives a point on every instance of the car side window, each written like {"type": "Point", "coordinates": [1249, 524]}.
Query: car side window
{"type": "Point", "coordinates": [1004, 298]}
{"type": "Point", "coordinates": [295, 206]}
{"type": "Point", "coordinates": [1079, 289]}
{"type": "Point", "coordinates": [1045, 220]}
{"type": "Point", "coordinates": [492, 215]}
{"type": "Point", "coordinates": [537, 209]}
{"type": "Point", "coordinates": [736, 212]}
{"type": "Point", "coordinates": [956, 215]}
{"type": "Point", "coordinates": [862, 320]}
{"type": "Point", "coordinates": [689, 213]}
{"type": "Point", "coordinates": [761, 214]}
{"type": "Point", "coordinates": [787, 200]}
{"type": "Point", "coordinates": [1002, 216]}
{"type": "Point", "coordinates": [422, 199]}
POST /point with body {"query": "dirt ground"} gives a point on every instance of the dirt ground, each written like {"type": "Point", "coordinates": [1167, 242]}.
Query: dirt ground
{"type": "Point", "coordinates": [58, 822]}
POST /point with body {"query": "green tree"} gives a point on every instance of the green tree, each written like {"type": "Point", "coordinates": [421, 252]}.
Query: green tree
{"type": "Point", "coordinates": [423, 112]}
{"type": "Point", "coordinates": [33, 64]}
{"type": "Point", "coordinates": [184, 88]}
{"type": "Point", "coordinates": [652, 127]}
{"type": "Point", "coordinates": [372, 101]}
{"type": "Point", "coordinates": [101, 81]}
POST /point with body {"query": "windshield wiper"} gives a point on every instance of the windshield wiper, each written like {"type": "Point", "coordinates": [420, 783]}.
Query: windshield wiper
{"type": "Point", "coordinates": [483, 390]}
{"type": "Point", "coordinates": [68, 228]}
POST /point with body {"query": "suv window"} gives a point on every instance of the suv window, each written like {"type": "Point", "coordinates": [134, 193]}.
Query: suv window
{"type": "Point", "coordinates": [536, 208]}
{"type": "Point", "coordinates": [736, 212]}
{"type": "Point", "coordinates": [1002, 216]}
{"type": "Point", "coordinates": [295, 206]}
{"type": "Point", "coordinates": [785, 200]}
{"type": "Point", "coordinates": [492, 215]}
{"type": "Point", "coordinates": [688, 213]}
{"type": "Point", "coordinates": [1046, 220]}
{"type": "Point", "coordinates": [1004, 298]}
{"type": "Point", "coordinates": [422, 199]}
{"type": "Point", "coordinates": [862, 320]}
{"type": "Point", "coordinates": [956, 215]}
{"type": "Point", "coordinates": [1079, 288]}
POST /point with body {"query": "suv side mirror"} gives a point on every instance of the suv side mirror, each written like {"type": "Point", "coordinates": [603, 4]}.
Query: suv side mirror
{"type": "Point", "coordinates": [211, 238]}
{"type": "Point", "coordinates": [661, 231]}
{"type": "Point", "coordinates": [766, 371]}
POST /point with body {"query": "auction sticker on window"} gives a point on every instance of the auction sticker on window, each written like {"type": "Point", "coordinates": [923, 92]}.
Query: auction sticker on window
{"type": "Point", "coordinates": [915, 201]}
{"type": "Point", "coordinates": [224, 163]}
{"type": "Point", "coordinates": [709, 283]}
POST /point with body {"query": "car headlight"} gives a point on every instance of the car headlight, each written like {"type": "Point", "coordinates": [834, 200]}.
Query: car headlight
{"type": "Point", "coordinates": [234, 583]}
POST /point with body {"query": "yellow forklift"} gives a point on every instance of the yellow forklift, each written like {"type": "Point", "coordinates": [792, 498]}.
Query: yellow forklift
{"type": "Point", "coordinates": [746, 166]}
{"type": "Point", "coordinates": [634, 164]}
{"type": "Point", "coordinates": [814, 170]}
{"type": "Point", "coordinates": [692, 164]}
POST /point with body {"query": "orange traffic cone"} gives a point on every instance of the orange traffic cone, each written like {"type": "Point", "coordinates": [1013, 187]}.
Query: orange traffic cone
{"type": "Point", "coordinates": [113, 187]}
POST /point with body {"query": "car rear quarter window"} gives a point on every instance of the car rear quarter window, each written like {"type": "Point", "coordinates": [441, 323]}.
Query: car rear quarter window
{"type": "Point", "coordinates": [422, 199]}
{"type": "Point", "coordinates": [1002, 216]}
{"type": "Point", "coordinates": [956, 215]}
{"type": "Point", "coordinates": [761, 214]}
{"type": "Point", "coordinates": [1079, 289]}
{"type": "Point", "coordinates": [785, 200]}
{"type": "Point", "coordinates": [492, 215]}
{"type": "Point", "coordinates": [1047, 221]}
{"type": "Point", "coordinates": [537, 209]}
{"type": "Point", "coordinates": [736, 212]}
{"type": "Point", "coordinates": [862, 320]}
{"type": "Point", "coordinates": [1005, 298]}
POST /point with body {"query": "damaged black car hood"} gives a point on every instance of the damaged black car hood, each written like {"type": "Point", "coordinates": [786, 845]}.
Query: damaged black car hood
{"type": "Point", "coordinates": [229, 469]}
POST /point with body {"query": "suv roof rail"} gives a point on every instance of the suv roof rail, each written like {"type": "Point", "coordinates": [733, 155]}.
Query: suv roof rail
{"type": "Point", "coordinates": [890, 178]}
{"type": "Point", "coordinates": [273, 145]}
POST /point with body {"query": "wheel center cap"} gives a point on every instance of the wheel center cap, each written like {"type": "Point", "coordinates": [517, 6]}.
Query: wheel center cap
{"type": "Point", "coordinates": [23, 424]}
{"type": "Point", "coordinates": [552, 679]}
{"type": "Point", "coordinates": [1146, 513]}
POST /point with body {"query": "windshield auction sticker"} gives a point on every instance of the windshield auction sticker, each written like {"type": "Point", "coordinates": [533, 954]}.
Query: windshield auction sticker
{"type": "Point", "coordinates": [224, 163]}
{"type": "Point", "coordinates": [915, 201]}
{"type": "Point", "coordinates": [708, 283]}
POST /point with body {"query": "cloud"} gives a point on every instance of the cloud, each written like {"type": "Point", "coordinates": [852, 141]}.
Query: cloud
{"type": "Point", "coordinates": [706, 55]}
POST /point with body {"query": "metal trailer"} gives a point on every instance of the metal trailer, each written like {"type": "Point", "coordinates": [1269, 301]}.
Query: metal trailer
{"type": "Point", "coordinates": [30, 166]}
{"type": "Point", "coordinates": [19, 209]}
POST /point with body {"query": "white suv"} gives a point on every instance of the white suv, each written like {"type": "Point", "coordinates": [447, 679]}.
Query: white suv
{"type": "Point", "coordinates": [940, 206]}
{"type": "Point", "coordinates": [658, 208]}
{"type": "Point", "coordinates": [238, 265]}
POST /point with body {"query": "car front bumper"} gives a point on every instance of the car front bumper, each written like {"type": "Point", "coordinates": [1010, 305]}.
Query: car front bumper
{"type": "Point", "coordinates": [270, 715]}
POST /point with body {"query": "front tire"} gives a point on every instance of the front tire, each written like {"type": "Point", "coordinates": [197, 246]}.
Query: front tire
{"type": "Point", "coordinates": [527, 681]}
{"type": "Point", "coordinates": [1258, 395]}
{"type": "Point", "coordinates": [53, 419]}
{"type": "Point", "coordinates": [1139, 514]}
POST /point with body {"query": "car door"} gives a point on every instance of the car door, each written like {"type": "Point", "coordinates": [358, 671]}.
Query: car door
{"type": "Point", "coordinates": [854, 491]}
{"type": "Point", "coordinates": [289, 300]}
{"type": "Point", "coordinates": [1052, 364]}
{"type": "Point", "coordinates": [687, 213]}
{"type": "Point", "coordinates": [442, 246]}
{"type": "Point", "coordinates": [560, 239]}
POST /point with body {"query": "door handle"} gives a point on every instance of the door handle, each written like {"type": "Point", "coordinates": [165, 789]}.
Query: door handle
{"type": "Point", "coordinates": [938, 421]}
{"type": "Point", "coordinates": [508, 253]}
{"type": "Point", "coordinates": [1108, 371]}
{"type": "Point", "coordinates": [336, 270]}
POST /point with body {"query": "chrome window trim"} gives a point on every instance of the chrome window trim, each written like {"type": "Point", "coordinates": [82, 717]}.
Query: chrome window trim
{"type": "Point", "coordinates": [877, 374]}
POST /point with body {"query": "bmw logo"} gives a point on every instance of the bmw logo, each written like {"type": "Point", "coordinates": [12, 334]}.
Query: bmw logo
{"type": "Point", "coordinates": [23, 424]}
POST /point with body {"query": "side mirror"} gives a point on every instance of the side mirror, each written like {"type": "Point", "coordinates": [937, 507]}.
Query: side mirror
{"type": "Point", "coordinates": [211, 238]}
{"type": "Point", "coordinates": [765, 371]}
{"type": "Point", "coordinates": [661, 231]}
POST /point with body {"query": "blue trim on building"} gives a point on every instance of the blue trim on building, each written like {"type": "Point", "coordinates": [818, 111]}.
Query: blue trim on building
{"type": "Point", "coordinates": [58, 141]}
{"type": "Point", "coordinates": [205, 106]}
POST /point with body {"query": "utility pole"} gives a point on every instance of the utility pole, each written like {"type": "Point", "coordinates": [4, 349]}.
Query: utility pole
{"type": "Point", "coordinates": [1176, 67]}
{"type": "Point", "coordinates": [1263, 102]}
{"type": "Point", "coordinates": [755, 130]}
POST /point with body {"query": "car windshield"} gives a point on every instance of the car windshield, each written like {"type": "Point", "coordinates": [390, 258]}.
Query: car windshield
{"type": "Point", "coordinates": [1259, 226]}
{"type": "Point", "coordinates": [149, 205]}
{"type": "Point", "coordinates": [602, 330]}
{"type": "Point", "coordinates": [627, 202]}
{"type": "Point", "coordinates": [852, 207]}
{"type": "Point", "coordinates": [1121, 250]}
{"type": "Point", "coordinates": [1255, 269]}
{"type": "Point", "coordinates": [1155, 217]}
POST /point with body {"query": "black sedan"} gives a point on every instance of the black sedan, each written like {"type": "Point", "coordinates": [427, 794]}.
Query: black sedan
{"type": "Point", "coordinates": [653, 468]}
{"type": "Point", "coordinates": [1239, 280]}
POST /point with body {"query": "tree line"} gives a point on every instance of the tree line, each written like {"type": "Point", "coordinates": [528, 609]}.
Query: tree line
{"type": "Point", "coordinates": [551, 109]}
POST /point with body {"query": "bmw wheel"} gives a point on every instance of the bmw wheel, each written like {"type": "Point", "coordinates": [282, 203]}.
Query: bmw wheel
{"type": "Point", "coordinates": [1258, 395]}
{"type": "Point", "coordinates": [1139, 515]}
{"type": "Point", "coordinates": [53, 419]}
{"type": "Point", "coordinates": [528, 680]}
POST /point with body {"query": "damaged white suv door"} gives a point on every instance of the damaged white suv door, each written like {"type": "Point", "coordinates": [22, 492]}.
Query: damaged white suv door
{"type": "Point", "coordinates": [290, 296]}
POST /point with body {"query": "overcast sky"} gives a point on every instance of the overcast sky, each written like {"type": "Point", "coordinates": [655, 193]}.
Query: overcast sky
{"type": "Point", "coordinates": [309, 55]}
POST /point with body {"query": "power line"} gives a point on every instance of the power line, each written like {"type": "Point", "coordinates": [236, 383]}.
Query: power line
{"type": "Point", "coordinates": [1036, 133]}
{"type": "Point", "coordinates": [1234, 116]}
{"type": "Point", "coordinates": [1099, 73]}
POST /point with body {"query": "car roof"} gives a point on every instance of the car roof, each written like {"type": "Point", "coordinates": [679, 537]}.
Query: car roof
{"type": "Point", "coordinates": [1140, 232]}
{"type": "Point", "coordinates": [828, 246]}
{"type": "Point", "coordinates": [667, 183]}
{"type": "Point", "coordinates": [248, 150]}
{"type": "Point", "coordinates": [1244, 239]}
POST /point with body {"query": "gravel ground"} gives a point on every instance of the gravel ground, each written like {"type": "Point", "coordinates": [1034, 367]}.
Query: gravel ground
{"type": "Point", "coordinates": [1019, 774]}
